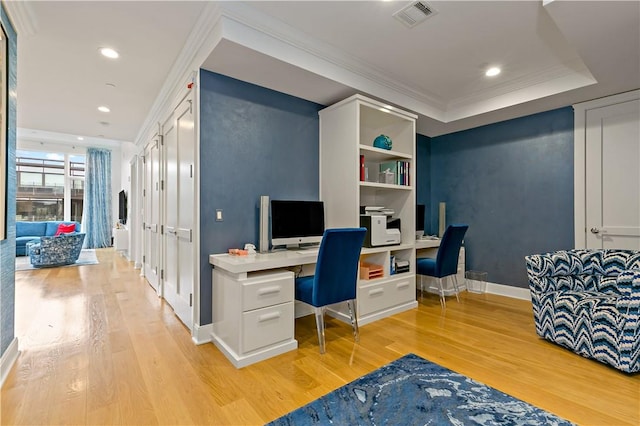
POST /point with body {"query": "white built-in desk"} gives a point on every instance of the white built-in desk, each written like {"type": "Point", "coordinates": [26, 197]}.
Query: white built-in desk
{"type": "Point", "coordinates": [426, 243]}
{"type": "Point", "coordinates": [253, 304]}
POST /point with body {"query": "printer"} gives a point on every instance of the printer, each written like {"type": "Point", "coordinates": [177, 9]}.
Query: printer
{"type": "Point", "coordinates": [381, 230]}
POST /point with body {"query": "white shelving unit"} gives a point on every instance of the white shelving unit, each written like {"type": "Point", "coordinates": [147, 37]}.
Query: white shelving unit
{"type": "Point", "coordinates": [347, 131]}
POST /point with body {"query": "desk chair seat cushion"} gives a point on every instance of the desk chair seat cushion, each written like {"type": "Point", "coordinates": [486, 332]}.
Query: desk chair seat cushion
{"type": "Point", "coordinates": [304, 289]}
{"type": "Point", "coordinates": [426, 266]}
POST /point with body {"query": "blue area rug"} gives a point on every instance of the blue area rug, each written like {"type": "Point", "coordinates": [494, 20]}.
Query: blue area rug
{"type": "Point", "coordinates": [414, 391]}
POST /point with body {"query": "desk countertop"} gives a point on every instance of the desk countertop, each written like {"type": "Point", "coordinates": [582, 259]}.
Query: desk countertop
{"type": "Point", "coordinates": [262, 261]}
{"type": "Point", "coordinates": [283, 259]}
{"type": "Point", "coordinates": [427, 243]}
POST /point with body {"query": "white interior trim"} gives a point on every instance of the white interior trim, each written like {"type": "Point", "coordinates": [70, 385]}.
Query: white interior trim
{"type": "Point", "coordinates": [579, 158]}
{"type": "Point", "coordinates": [509, 291]}
{"type": "Point", "coordinates": [201, 334]}
{"type": "Point", "coordinates": [8, 359]}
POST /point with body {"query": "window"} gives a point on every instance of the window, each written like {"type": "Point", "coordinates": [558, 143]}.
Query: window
{"type": "Point", "coordinates": [50, 186]}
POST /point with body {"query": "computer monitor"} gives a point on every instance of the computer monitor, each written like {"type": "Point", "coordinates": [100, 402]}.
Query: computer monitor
{"type": "Point", "coordinates": [296, 223]}
{"type": "Point", "coordinates": [419, 220]}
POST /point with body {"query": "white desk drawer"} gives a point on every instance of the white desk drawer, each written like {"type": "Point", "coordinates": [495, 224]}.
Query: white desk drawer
{"type": "Point", "coordinates": [376, 297]}
{"type": "Point", "coordinates": [267, 290]}
{"type": "Point", "coordinates": [267, 326]}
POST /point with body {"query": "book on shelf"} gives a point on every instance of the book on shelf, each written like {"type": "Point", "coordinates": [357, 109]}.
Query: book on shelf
{"type": "Point", "coordinates": [362, 174]}
{"type": "Point", "coordinates": [400, 170]}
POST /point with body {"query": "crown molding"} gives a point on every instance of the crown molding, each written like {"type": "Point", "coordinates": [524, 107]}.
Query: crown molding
{"type": "Point", "coordinates": [366, 75]}
{"type": "Point", "coordinates": [22, 17]}
{"type": "Point", "coordinates": [199, 44]}
{"type": "Point", "coordinates": [31, 136]}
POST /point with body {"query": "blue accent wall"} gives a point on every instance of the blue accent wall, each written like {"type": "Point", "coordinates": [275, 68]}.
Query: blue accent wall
{"type": "Point", "coordinates": [253, 141]}
{"type": "Point", "coordinates": [512, 182]}
{"type": "Point", "coordinates": [8, 246]}
{"type": "Point", "coordinates": [423, 177]}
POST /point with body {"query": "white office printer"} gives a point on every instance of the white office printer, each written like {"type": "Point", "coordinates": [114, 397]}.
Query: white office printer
{"type": "Point", "coordinates": [381, 230]}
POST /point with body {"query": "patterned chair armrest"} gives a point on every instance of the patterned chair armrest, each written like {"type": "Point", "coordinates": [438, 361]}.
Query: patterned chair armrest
{"type": "Point", "coordinates": [629, 306]}
{"type": "Point", "coordinates": [32, 247]}
{"type": "Point", "coordinates": [551, 271]}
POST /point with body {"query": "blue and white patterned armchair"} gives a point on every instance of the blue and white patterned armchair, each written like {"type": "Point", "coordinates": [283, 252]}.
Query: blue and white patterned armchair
{"type": "Point", "coordinates": [589, 302]}
{"type": "Point", "coordinates": [55, 251]}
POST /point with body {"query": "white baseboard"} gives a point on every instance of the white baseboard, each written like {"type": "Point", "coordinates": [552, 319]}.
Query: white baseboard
{"type": "Point", "coordinates": [202, 334]}
{"type": "Point", "coordinates": [491, 288]}
{"type": "Point", "coordinates": [7, 360]}
{"type": "Point", "coordinates": [509, 291]}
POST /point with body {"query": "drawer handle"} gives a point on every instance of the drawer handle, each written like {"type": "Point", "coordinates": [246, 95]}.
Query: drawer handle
{"type": "Point", "coordinates": [376, 292]}
{"type": "Point", "coordinates": [267, 317]}
{"type": "Point", "coordinates": [402, 285]}
{"type": "Point", "coordinates": [269, 290]}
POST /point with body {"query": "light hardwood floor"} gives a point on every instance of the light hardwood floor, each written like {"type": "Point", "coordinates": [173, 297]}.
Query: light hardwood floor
{"type": "Point", "coordinates": [99, 347]}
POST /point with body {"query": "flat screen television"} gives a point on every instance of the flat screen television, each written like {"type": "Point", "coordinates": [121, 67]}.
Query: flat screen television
{"type": "Point", "coordinates": [296, 223]}
{"type": "Point", "coordinates": [122, 207]}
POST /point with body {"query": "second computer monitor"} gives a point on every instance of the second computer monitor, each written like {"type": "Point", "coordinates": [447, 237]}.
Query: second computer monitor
{"type": "Point", "coordinates": [419, 220]}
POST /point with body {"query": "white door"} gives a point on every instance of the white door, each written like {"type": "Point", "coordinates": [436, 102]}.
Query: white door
{"type": "Point", "coordinates": [151, 196]}
{"type": "Point", "coordinates": [179, 250]}
{"type": "Point", "coordinates": [170, 139]}
{"type": "Point", "coordinates": [613, 176]}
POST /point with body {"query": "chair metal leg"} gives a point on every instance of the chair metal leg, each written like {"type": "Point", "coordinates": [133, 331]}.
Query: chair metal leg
{"type": "Point", "coordinates": [455, 285]}
{"type": "Point", "coordinates": [320, 326]}
{"type": "Point", "coordinates": [442, 301]}
{"type": "Point", "coordinates": [351, 304]}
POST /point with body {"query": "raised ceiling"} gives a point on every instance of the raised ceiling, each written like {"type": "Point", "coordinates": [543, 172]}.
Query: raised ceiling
{"type": "Point", "coordinates": [552, 54]}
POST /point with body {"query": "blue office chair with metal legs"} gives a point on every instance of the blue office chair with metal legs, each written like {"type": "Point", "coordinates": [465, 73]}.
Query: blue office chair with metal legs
{"type": "Point", "coordinates": [335, 278]}
{"type": "Point", "coordinates": [446, 262]}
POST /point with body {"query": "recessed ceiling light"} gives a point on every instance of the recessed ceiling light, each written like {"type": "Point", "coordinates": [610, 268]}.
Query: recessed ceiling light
{"type": "Point", "coordinates": [103, 108]}
{"type": "Point", "coordinates": [80, 138]}
{"type": "Point", "coordinates": [111, 85]}
{"type": "Point", "coordinates": [492, 72]}
{"type": "Point", "coordinates": [109, 53]}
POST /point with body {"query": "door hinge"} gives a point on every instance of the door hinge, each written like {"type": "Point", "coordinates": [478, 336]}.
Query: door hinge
{"type": "Point", "coordinates": [144, 259]}
{"type": "Point", "coordinates": [190, 235]}
{"type": "Point", "coordinates": [161, 229]}
{"type": "Point", "coordinates": [144, 192]}
{"type": "Point", "coordinates": [190, 170]}
{"type": "Point", "coordinates": [162, 185]}
{"type": "Point", "coordinates": [190, 299]}
{"type": "Point", "coordinates": [162, 274]}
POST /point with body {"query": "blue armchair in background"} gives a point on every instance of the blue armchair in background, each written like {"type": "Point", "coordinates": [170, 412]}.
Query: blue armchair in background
{"type": "Point", "coordinates": [55, 251]}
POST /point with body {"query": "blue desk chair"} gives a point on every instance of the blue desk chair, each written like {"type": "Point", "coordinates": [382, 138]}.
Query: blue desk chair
{"type": "Point", "coordinates": [446, 262]}
{"type": "Point", "coordinates": [335, 277]}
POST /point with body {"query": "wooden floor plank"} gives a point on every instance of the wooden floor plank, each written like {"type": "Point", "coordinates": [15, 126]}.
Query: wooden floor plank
{"type": "Point", "coordinates": [99, 347]}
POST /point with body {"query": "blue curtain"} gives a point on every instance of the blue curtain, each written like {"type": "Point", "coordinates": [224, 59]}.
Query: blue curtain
{"type": "Point", "coordinates": [96, 212]}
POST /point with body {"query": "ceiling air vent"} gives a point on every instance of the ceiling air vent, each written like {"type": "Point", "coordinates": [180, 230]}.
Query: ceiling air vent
{"type": "Point", "coordinates": [414, 13]}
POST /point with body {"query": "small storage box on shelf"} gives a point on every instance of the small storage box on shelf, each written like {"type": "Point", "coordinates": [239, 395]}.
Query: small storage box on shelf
{"type": "Point", "coordinates": [369, 271]}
